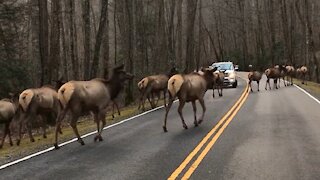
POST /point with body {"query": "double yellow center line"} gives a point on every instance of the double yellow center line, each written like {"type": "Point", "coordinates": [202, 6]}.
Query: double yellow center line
{"type": "Point", "coordinates": [212, 137]}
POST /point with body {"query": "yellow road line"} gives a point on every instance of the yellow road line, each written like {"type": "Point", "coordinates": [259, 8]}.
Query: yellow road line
{"type": "Point", "coordinates": [176, 173]}
{"type": "Point", "coordinates": [194, 166]}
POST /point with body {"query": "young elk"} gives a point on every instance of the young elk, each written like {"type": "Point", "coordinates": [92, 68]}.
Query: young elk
{"type": "Point", "coordinates": [274, 73]}
{"type": "Point", "coordinates": [37, 103]}
{"type": "Point", "coordinates": [189, 87]}
{"type": "Point", "coordinates": [218, 79]}
{"type": "Point", "coordinates": [155, 84]}
{"type": "Point", "coordinates": [290, 73]}
{"type": "Point", "coordinates": [303, 71]}
{"type": "Point", "coordinates": [8, 109]}
{"type": "Point", "coordinates": [93, 96]}
{"type": "Point", "coordinates": [254, 76]}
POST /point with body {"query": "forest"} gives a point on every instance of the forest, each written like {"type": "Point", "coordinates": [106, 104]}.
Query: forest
{"type": "Point", "coordinates": [42, 41]}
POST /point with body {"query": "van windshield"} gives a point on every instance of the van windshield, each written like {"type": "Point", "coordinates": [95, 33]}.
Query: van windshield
{"type": "Point", "coordinates": [223, 66]}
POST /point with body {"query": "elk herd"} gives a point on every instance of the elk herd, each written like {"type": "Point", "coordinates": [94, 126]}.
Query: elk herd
{"type": "Point", "coordinates": [50, 104]}
{"type": "Point", "coordinates": [286, 73]}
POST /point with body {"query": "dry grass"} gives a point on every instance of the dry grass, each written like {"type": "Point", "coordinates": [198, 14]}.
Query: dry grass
{"type": "Point", "coordinates": [310, 86]}
{"type": "Point", "coordinates": [85, 125]}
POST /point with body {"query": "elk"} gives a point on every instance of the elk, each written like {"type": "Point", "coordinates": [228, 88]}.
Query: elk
{"type": "Point", "coordinates": [189, 87]}
{"type": "Point", "coordinates": [78, 97]}
{"type": "Point", "coordinates": [290, 73]}
{"type": "Point", "coordinates": [254, 76]}
{"type": "Point", "coordinates": [218, 79]}
{"type": "Point", "coordinates": [155, 84]}
{"type": "Point", "coordinates": [37, 103]}
{"type": "Point", "coordinates": [274, 73]}
{"type": "Point", "coordinates": [8, 109]}
{"type": "Point", "coordinates": [304, 71]}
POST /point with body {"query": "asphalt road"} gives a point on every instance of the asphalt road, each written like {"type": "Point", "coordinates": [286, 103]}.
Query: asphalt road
{"type": "Point", "coordinates": [275, 135]}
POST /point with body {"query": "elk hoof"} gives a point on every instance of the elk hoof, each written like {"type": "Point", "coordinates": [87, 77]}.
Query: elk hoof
{"type": "Point", "coordinates": [100, 138]}
{"type": "Point", "coordinates": [32, 140]}
{"type": "Point", "coordinates": [185, 126]}
{"type": "Point", "coordinates": [220, 95]}
{"type": "Point", "coordinates": [45, 136]}
{"type": "Point", "coordinates": [165, 129]}
{"type": "Point", "coordinates": [56, 146]}
{"type": "Point", "coordinates": [81, 142]}
{"type": "Point", "coordinates": [18, 142]}
{"type": "Point", "coordinates": [196, 124]}
{"type": "Point", "coordinates": [112, 116]}
{"type": "Point", "coordinates": [95, 138]}
{"type": "Point", "coordinates": [200, 121]}
{"type": "Point", "coordinates": [11, 143]}
{"type": "Point", "coordinates": [258, 90]}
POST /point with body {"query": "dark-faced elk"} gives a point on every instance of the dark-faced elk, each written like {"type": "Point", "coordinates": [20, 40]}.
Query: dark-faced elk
{"type": "Point", "coordinates": [78, 97]}
{"type": "Point", "coordinates": [189, 88]}
{"type": "Point", "coordinates": [8, 109]}
{"type": "Point", "coordinates": [154, 85]}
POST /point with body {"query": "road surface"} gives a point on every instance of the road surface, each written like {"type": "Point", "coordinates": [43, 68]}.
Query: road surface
{"type": "Point", "coordinates": [268, 135]}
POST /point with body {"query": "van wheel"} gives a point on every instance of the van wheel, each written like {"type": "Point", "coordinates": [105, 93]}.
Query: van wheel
{"type": "Point", "coordinates": [234, 85]}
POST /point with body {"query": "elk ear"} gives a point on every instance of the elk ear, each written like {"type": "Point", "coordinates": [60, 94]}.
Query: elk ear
{"type": "Point", "coordinates": [214, 69]}
{"type": "Point", "coordinates": [120, 67]}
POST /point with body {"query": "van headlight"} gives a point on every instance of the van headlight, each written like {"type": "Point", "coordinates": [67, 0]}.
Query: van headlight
{"type": "Point", "coordinates": [232, 75]}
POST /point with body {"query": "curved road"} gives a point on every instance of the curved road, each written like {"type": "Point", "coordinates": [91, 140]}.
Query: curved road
{"type": "Point", "coordinates": [274, 135]}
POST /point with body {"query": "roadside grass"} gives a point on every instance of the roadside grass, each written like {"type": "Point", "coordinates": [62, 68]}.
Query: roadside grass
{"type": "Point", "coordinates": [311, 87]}
{"type": "Point", "coordinates": [85, 125]}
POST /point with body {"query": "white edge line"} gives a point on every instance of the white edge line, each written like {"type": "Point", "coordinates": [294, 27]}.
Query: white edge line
{"type": "Point", "coordinates": [75, 139]}
{"type": "Point", "coordinates": [304, 91]}
{"type": "Point", "coordinates": [312, 97]}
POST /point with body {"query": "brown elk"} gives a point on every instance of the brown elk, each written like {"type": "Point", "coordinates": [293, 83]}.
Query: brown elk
{"type": "Point", "coordinates": [37, 103]}
{"type": "Point", "coordinates": [304, 71]}
{"type": "Point", "coordinates": [254, 76]}
{"type": "Point", "coordinates": [154, 85]}
{"type": "Point", "coordinates": [290, 74]}
{"type": "Point", "coordinates": [78, 97]}
{"type": "Point", "coordinates": [189, 87]}
{"type": "Point", "coordinates": [274, 73]}
{"type": "Point", "coordinates": [218, 79]}
{"type": "Point", "coordinates": [8, 109]}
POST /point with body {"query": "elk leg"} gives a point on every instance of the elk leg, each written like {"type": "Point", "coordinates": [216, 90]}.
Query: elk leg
{"type": "Point", "coordinates": [19, 132]}
{"type": "Point", "coordinates": [164, 97]}
{"type": "Point", "coordinates": [29, 128]}
{"type": "Point", "coordinates": [267, 84]}
{"type": "Point", "coordinates": [9, 134]}
{"type": "Point", "coordinates": [203, 110]}
{"type": "Point", "coordinates": [258, 82]}
{"type": "Point", "coordinates": [43, 125]}
{"type": "Point", "coordinates": [167, 111]}
{"type": "Point", "coordinates": [284, 82]}
{"type": "Point", "coordinates": [181, 104]}
{"type": "Point", "coordinates": [60, 117]}
{"type": "Point", "coordinates": [213, 91]}
{"type": "Point", "coordinates": [5, 132]}
{"type": "Point", "coordinates": [158, 95]}
{"type": "Point", "coordinates": [73, 124]}
{"type": "Point", "coordinates": [194, 106]}
{"type": "Point", "coordinates": [250, 85]}
{"type": "Point", "coordinates": [221, 89]}
{"type": "Point", "coordinates": [97, 121]}
{"type": "Point", "coordinates": [117, 108]}
{"type": "Point", "coordinates": [102, 118]}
